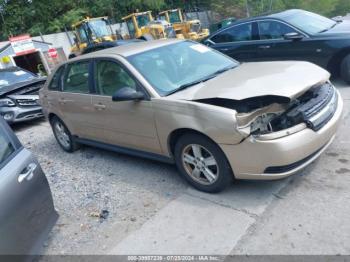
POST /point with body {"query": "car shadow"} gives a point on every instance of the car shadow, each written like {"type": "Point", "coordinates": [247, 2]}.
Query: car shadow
{"type": "Point", "coordinates": [16, 127]}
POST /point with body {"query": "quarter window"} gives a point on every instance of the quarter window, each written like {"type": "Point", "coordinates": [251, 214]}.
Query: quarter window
{"type": "Point", "coordinates": [110, 77]}
{"type": "Point", "coordinates": [6, 147]}
{"type": "Point", "coordinates": [234, 34]}
{"type": "Point", "coordinates": [55, 81]}
{"type": "Point", "coordinates": [77, 78]}
{"type": "Point", "coordinates": [273, 30]}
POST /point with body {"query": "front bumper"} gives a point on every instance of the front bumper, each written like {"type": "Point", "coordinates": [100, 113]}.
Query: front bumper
{"type": "Point", "coordinates": [281, 157]}
{"type": "Point", "coordinates": [21, 114]}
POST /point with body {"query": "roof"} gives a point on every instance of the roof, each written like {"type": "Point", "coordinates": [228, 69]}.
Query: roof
{"type": "Point", "coordinates": [88, 19]}
{"type": "Point", "coordinates": [128, 50]}
{"type": "Point", "coordinates": [6, 44]}
{"type": "Point", "coordinates": [280, 15]}
{"type": "Point", "coordinates": [169, 10]}
{"type": "Point", "coordinates": [137, 14]}
{"type": "Point", "coordinates": [285, 14]}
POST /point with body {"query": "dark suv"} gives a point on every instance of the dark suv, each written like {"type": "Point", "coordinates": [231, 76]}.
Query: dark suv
{"type": "Point", "coordinates": [289, 35]}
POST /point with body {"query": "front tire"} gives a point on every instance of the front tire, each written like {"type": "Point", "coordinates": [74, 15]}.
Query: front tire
{"type": "Point", "coordinates": [63, 136]}
{"type": "Point", "coordinates": [202, 163]}
{"type": "Point", "coordinates": [345, 69]}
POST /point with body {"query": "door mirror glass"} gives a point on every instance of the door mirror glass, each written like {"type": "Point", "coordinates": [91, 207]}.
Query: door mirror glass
{"type": "Point", "coordinates": [127, 94]}
{"type": "Point", "coordinates": [293, 36]}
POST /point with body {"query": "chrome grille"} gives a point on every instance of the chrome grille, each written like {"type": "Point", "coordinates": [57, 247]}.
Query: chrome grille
{"type": "Point", "coordinates": [27, 102]}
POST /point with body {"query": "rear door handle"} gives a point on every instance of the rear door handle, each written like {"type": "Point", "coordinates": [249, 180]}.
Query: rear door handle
{"type": "Point", "coordinates": [223, 49]}
{"type": "Point", "coordinates": [265, 47]}
{"type": "Point", "coordinates": [100, 106]}
{"type": "Point", "coordinates": [27, 173]}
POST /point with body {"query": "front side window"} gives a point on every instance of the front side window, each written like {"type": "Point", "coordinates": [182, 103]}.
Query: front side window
{"type": "Point", "coordinates": [234, 34]}
{"type": "Point", "coordinates": [174, 17]}
{"type": "Point", "coordinates": [82, 34]}
{"type": "Point", "coordinates": [6, 147]}
{"type": "Point", "coordinates": [174, 66]}
{"type": "Point", "coordinates": [273, 30]}
{"type": "Point", "coordinates": [55, 84]}
{"type": "Point", "coordinates": [110, 77]}
{"type": "Point", "coordinates": [99, 28]}
{"type": "Point", "coordinates": [76, 79]}
{"type": "Point", "coordinates": [143, 20]}
{"type": "Point", "coordinates": [131, 27]}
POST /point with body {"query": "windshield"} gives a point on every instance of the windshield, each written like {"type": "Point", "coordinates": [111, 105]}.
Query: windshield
{"type": "Point", "coordinates": [10, 77]}
{"type": "Point", "coordinates": [171, 67]}
{"type": "Point", "coordinates": [174, 17]}
{"type": "Point", "coordinates": [99, 28]}
{"type": "Point", "coordinates": [310, 23]}
{"type": "Point", "coordinates": [143, 20]}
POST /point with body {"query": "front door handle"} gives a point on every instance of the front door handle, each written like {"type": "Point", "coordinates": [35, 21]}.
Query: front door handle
{"type": "Point", "coordinates": [265, 47]}
{"type": "Point", "coordinates": [27, 173]}
{"type": "Point", "coordinates": [224, 49]}
{"type": "Point", "coordinates": [100, 106]}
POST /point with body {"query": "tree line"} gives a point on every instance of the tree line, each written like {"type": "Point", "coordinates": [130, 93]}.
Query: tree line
{"type": "Point", "coordinates": [50, 16]}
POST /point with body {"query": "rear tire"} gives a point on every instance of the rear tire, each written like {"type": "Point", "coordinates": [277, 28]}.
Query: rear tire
{"type": "Point", "coordinates": [63, 135]}
{"type": "Point", "coordinates": [345, 69]}
{"type": "Point", "coordinates": [202, 163]}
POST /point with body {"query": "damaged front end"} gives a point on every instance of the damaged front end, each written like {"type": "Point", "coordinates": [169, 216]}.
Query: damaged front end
{"type": "Point", "coordinates": [271, 117]}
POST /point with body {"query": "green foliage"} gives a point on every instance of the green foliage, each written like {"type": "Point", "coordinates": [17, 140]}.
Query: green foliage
{"type": "Point", "coordinates": [42, 16]}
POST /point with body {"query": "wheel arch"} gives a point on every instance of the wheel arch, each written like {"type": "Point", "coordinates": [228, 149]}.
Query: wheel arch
{"type": "Point", "coordinates": [177, 133]}
{"type": "Point", "coordinates": [333, 65]}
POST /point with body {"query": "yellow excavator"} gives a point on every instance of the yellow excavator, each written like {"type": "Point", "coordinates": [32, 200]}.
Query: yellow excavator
{"type": "Point", "coordinates": [92, 34]}
{"type": "Point", "coordinates": [191, 29]}
{"type": "Point", "coordinates": [141, 25]}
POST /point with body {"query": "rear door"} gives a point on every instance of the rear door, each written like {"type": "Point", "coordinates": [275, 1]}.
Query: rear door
{"type": "Point", "coordinates": [27, 211]}
{"type": "Point", "coordinates": [238, 42]}
{"type": "Point", "coordinates": [75, 98]}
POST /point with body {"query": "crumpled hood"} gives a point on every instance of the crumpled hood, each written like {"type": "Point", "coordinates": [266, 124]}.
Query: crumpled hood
{"type": "Point", "coordinates": [286, 79]}
{"type": "Point", "coordinates": [22, 85]}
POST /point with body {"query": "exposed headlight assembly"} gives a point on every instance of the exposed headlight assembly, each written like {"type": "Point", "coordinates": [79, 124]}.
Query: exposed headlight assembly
{"type": "Point", "coordinates": [6, 102]}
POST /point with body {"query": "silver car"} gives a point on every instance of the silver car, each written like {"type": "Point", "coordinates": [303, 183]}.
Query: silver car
{"type": "Point", "coordinates": [19, 95]}
{"type": "Point", "coordinates": [27, 210]}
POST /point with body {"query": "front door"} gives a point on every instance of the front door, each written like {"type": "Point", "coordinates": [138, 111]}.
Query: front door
{"type": "Point", "coordinates": [126, 123]}
{"type": "Point", "coordinates": [273, 46]}
{"type": "Point", "coordinates": [27, 211]}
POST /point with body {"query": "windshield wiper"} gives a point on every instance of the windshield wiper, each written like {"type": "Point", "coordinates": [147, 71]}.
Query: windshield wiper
{"type": "Point", "coordinates": [201, 80]}
{"type": "Point", "coordinates": [329, 28]}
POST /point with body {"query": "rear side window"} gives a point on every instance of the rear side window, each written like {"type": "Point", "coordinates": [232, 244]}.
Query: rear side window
{"type": "Point", "coordinates": [76, 79]}
{"type": "Point", "coordinates": [55, 84]}
{"type": "Point", "coordinates": [234, 34]}
{"type": "Point", "coordinates": [6, 147]}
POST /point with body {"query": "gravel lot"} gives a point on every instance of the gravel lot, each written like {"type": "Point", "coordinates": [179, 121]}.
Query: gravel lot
{"type": "Point", "coordinates": [133, 190]}
{"type": "Point", "coordinates": [91, 180]}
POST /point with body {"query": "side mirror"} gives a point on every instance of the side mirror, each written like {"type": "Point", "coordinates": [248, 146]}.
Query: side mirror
{"type": "Point", "coordinates": [127, 94]}
{"type": "Point", "coordinates": [293, 36]}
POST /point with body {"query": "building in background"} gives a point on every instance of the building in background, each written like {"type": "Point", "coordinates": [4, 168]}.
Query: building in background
{"type": "Point", "coordinates": [35, 56]}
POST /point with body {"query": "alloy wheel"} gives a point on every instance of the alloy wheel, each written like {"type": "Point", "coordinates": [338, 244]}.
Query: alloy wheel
{"type": "Point", "coordinates": [62, 135]}
{"type": "Point", "coordinates": [200, 164]}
